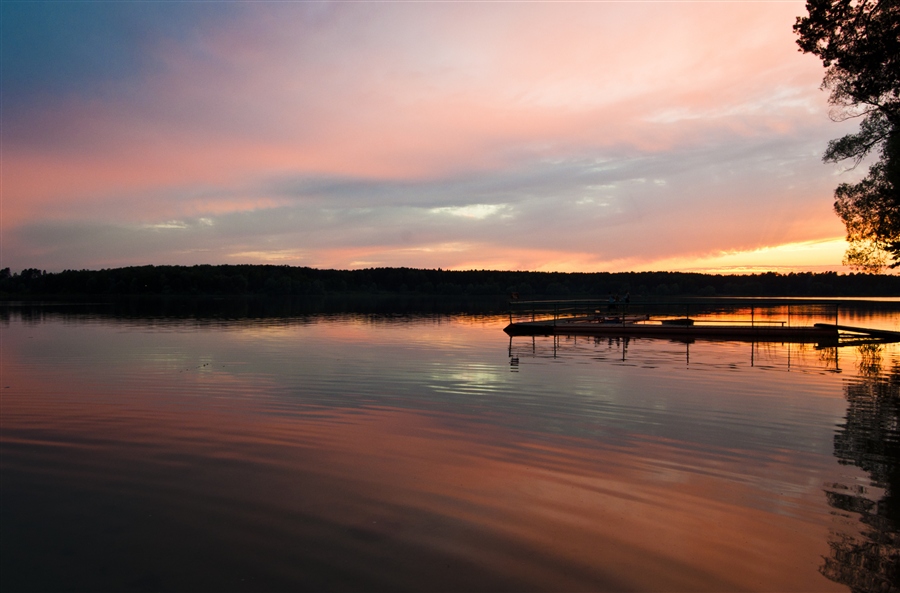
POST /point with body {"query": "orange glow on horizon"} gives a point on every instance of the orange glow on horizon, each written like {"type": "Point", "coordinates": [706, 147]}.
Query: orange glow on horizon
{"type": "Point", "coordinates": [815, 256]}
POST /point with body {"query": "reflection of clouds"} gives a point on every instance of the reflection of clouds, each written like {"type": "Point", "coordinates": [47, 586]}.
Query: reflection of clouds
{"type": "Point", "coordinates": [356, 486]}
{"type": "Point", "coordinates": [470, 378]}
{"type": "Point", "coordinates": [394, 448]}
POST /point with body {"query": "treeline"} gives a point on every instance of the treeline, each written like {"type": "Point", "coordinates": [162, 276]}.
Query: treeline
{"type": "Point", "coordinates": [287, 280]}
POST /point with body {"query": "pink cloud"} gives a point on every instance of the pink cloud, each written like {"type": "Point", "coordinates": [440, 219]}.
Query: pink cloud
{"type": "Point", "coordinates": [426, 92]}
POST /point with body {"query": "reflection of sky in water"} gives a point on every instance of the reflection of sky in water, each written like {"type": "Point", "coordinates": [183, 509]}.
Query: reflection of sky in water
{"type": "Point", "coordinates": [374, 453]}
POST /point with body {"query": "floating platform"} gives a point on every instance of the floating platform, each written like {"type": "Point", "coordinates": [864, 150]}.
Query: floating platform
{"type": "Point", "coordinates": [819, 333]}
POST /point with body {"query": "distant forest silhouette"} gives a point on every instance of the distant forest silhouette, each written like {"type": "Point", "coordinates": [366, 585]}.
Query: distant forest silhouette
{"type": "Point", "coordinates": [289, 280]}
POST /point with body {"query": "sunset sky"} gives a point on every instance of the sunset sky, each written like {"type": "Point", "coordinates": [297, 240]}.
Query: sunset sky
{"type": "Point", "coordinates": [569, 136]}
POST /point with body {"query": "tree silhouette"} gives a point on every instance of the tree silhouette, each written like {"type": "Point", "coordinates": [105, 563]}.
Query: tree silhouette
{"type": "Point", "coordinates": [858, 42]}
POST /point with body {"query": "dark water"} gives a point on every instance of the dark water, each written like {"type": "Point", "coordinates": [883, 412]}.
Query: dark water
{"type": "Point", "coordinates": [430, 452]}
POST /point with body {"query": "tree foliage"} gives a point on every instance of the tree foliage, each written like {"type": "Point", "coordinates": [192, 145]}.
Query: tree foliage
{"type": "Point", "coordinates": [858, 42]}
{"type": "Point", "coordinates": [288, 281]}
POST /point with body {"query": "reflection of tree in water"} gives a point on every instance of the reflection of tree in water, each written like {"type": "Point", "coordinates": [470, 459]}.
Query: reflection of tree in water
{"type": "Point", "coordinates": [829, 357]}
{"type": "Point", "coordinates": [865, 555]}
{"type": "Point", "coordinates": [870, 360]}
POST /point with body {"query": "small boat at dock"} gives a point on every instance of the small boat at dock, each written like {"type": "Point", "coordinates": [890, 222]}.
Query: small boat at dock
{"type": "Point", "coordinates": [683, 321]}
{"type": "Point", "coordinates": [620, 319]}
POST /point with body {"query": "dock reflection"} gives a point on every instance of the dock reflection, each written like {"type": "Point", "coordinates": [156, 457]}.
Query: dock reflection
{"type": "Point", "coordinates": [625, 349]}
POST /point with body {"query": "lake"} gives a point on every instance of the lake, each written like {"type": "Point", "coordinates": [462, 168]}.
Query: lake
{"type": "Point", "coordinates": [431, 452]}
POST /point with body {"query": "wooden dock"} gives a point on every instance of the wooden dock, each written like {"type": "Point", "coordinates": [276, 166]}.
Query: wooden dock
{"type": "Point", "coordinates": [820, 333]}
{"type": "Point", "coordinates": [683, 321]}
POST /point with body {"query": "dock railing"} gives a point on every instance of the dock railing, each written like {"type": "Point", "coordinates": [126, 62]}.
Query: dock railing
{"type": "Point", "coordinates": [733, 311]}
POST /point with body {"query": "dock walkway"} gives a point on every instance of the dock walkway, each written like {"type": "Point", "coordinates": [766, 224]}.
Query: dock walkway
{"type": "Point", "coordinates": [675, 321]}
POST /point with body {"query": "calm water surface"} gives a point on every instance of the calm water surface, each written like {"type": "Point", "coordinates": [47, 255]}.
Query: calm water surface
{"type": "Point", "coordinates": [347, 452]}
